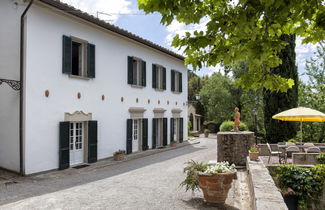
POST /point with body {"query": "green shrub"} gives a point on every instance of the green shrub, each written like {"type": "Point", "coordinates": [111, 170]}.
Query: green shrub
{"type": "Point", "coordinates": [229, 125]}
{"type": "Point", "coordinates": [292, 140]}
{"type": "Point", "coordinates": [206, 131]}
{"type": "Point", "coordinates": [189, 125]}
{"type": "Point", "coordinates": [321, 158]}
{"type": "Point", "coordinates": [306, 183]}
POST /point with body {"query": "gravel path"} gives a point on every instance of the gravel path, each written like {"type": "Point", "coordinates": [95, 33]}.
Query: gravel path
{"type": "Point", "coordinates": [150, 182]}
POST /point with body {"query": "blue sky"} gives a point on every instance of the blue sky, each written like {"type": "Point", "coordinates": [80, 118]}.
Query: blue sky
{"type": "Point", "coordinates": [125, 14]}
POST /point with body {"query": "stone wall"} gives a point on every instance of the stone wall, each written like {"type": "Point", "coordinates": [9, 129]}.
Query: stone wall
{"type": "Point", "coordinates": [233, 146]}
{"type": "Point", "coordinates": [264, 194]}
{"type": "Point", "coordinates": [305, 158]}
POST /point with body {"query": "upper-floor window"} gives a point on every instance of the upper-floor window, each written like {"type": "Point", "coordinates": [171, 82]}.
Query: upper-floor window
{"type": "Point", "coordinates": [136, 71]}
{"type": "Point", "coordinates": [176, 81]}
{"type": "Point", "coordinates": [158, 77]}
{"type": "Point", "coordinates": [78, 57]}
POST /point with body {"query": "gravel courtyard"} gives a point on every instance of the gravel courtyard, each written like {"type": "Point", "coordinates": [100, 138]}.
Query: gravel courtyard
{"type": "Point", "coordinates": [150, 182]}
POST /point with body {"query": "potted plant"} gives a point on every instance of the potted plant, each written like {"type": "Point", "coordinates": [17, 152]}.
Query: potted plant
{"type": "Point", "coordinates": [206, 133]}
{"type": "Point", "coordinates": [213, 179]}
{"type": "Point", "coordinates": [119, 155]}
{"type": "Point", "coordinates": [173, 143]}
{"type": "Point", "coordinates": [253, 153]}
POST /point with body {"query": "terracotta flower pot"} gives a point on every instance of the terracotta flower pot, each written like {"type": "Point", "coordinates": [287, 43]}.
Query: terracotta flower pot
{"type": "Point", "coordinates": [206, 135]}
{"type": "Point", "coordinates": [253, 155]}
{"type": "Point", "coordinates": [119, 157]}
{"type": "Point", "coordinates": [215, 187]}
{"type": "Point", "coordinates": [173, 144]}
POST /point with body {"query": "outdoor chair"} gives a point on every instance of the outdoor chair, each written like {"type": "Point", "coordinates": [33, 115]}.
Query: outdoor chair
{"type": "Point", "coordinates": [290, 150]}
{"type": "Point", "coordinates": [313, 150]}
{"type": "Point", "coordinates": [307, 145]}
{"type": "Point", "coordinates": [272, 153]}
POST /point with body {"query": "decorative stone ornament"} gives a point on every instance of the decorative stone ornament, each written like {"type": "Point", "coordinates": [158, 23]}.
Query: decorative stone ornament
{"type": "Point", "coordinates": [158, 101]}
{"type": "Point", "coordinates": [137, 100]}
{"type": "Point", "coordinates": [167, 102]}
{"type": "Point", "coordinates": [79, 95]}
{"type": "Point", "coordinates": [47, 93]}
{"type": "Point", "coordinates": [148, 101]}
{"type": "Point", "coordinates": [176, 103]}
{"type": "Point", "coordinates": [122, 99]}
{"type": "Point", "coordinates": [103, 97]}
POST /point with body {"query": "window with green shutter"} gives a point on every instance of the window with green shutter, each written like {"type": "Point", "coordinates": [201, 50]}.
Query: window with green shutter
{"type": "Point", "coordinates": [158, 77]}
{"type": "Point", "coordinates": [176, 81]}
{"type": "Point", "coordinates": [137, 74]}
{"type": "Point", "coordinates": [145, 134]}
{"type": "Point", "coordinates": [129, 127]}
{"type": "Point", "coordinates": [92, 141]}
{"type": "Point", "coordinates": [64, 151]}
{"type": "Point", "coordinates": [78, 57]}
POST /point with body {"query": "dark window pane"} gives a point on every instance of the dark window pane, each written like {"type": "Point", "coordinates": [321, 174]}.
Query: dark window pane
{"type": "Point", "coordinates": [76, 47]}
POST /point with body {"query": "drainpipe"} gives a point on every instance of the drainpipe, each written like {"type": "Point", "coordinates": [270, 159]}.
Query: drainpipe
{"type": "Point", "coordinates": [21, 101]}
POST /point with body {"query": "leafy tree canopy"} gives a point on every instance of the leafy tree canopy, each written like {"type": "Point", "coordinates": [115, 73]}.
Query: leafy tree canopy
{"type": "Point", "coordinates": [242, 30]}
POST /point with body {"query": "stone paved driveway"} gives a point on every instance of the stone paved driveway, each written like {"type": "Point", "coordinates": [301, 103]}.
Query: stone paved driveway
{"type": "Point", "coordinates": [150, 182]}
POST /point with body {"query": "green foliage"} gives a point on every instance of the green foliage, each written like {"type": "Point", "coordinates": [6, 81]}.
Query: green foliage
{"type": "Point", "coordinates": [307, 183]}
{"type": "Point", "coordinates": [229, 125]}
{"type": "Point", "coordinates": [206, 131]}
{"type": "Point", "coordinates": [292, 140]}
{"type": "Point", "coordinates": [321, 158]}
{"type": "Point", "coordinates": [275, 102]}
{"type": "Point", "coordinates": [192, 169]}
{"type": "Point", "coordinates": [245, 30]}
{"type": "Point", "coordinates": [216, 98]}
{"type": "Point", "coordinates": [312, 94]}
{"type": "Point", "coordinates": [253, 149]}
{"type": "Point", "coordinates": [189, 125]}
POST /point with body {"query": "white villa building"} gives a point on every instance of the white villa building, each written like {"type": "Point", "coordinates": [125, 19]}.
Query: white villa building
{"type": "Point", "coordinates": [75, 89]}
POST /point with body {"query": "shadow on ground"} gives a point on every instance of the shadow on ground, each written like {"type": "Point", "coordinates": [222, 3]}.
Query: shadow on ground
{"type": "Point", "coordinates": [36, 185]}
{"type": "Point", "coordinates": [199, 203]}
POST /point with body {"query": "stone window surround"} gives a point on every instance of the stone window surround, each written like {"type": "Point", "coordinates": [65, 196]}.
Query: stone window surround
{"type": "Point", "coordinates": [136, 112]}
{"type": "Point", "coordinates": [159, 112]}
{"type": "Point", "coordinates": [176, 113]}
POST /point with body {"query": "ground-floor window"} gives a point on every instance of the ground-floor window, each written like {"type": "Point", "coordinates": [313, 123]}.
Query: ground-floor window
{"type": "Point", "coordinates": [137, 135]}
{"type": "Point", "coordinates": [76, 143]}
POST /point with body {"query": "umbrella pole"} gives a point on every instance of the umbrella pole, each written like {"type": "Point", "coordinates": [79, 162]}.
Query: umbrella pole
{"type": "Point", "coordinates": [301, 130]}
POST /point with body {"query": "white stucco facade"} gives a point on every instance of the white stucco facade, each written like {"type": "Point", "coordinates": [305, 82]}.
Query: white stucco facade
{"type": "Point", "coordinates": [44, 31]}
{"type": "Point", "coordinates": [9, 69]}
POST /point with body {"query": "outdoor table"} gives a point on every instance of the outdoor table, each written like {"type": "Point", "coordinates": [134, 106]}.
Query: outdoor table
{"type": "Point", "coordinates": [299, 146]}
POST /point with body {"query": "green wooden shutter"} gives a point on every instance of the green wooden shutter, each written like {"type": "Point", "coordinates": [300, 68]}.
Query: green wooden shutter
{"type": "Point", "coordinates": [181, 126]}
{"type": "Point", "coordinates": [144, 74]}
{"type": "Point", "coordinates": [180, 82]}
{"type": "Point", "coordinates": [164, 78]}
{"type": "Point", "coordinates": [129, 124]}
{"type": "Point", "coordinates": [130, 70]}
{"type": "Point", "coordinates": [172, 80]}
{"type": "Point", "coordinates": [154, 132]}
{"type": "Point", "coordinates": [144, 134]}
{"type": "Point", "coordinates": [64, 151]}
{"type": "Point", "coordinates": [164, 131]}
{"type": "Point", "coordinates": [91, 61]}
{"type": "Point", "coordinates": [154, 76]}
{"type": "Point", "coordinates": [92, 141]}
{"type": "Point", "coordinates": [67, 55]}
{"type": "Point", "coordinates": [172, 129]}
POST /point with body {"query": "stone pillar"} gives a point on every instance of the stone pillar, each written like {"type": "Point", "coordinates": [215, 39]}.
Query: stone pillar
{"type": "Point", "coordinates": [233, 146]}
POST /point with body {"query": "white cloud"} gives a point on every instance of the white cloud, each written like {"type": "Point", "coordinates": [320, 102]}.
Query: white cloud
{"type": "Point", "coordinates": [180, 28]}
{"type": "Point", "coordinates": [303, 52]}
{"type": "Point", "coordinates": [112, 7]}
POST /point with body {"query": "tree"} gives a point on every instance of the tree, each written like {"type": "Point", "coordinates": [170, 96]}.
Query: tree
{"type": "Point", "coordinates": [243, 30]}
{"type": "Point", "coordinates": [275, 102]}
{"type": "Point", "coordinates": [216, 98]}
{"type": "Point", "coordinates": [312, 94]}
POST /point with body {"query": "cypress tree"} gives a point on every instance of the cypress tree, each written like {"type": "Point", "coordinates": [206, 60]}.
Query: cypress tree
{"type": "Point", "coordinates": [275, 102]}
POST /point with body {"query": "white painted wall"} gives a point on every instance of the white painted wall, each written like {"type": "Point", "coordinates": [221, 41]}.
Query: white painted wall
{"type": "Point", "coordinates": [44, 72]}
{"type": "Point", "coordinates": [9, 69]}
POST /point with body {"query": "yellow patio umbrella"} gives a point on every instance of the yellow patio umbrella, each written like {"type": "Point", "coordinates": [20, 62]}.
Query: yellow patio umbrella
{"type": "Point", "coordinates": [301, 114]}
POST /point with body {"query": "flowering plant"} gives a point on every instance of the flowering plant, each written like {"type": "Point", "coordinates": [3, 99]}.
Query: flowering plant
{"type": "Point", "coordinates": [220, 167]}
{"type": "Point", "coordinates": [254, 149]}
